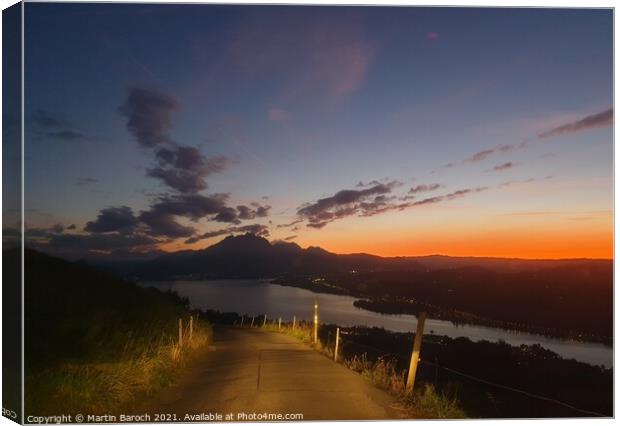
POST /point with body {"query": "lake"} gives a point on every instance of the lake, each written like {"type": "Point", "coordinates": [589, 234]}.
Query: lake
{"type": "Point", "coordinates": [254, 297]}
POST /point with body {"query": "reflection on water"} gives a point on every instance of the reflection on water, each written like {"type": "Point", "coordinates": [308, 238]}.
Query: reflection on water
{"type": "Point", "coordinates": [255, 297]}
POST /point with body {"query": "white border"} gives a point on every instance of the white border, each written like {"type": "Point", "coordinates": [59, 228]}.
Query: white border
{"type": "Point", "coordinates": [478, 3]}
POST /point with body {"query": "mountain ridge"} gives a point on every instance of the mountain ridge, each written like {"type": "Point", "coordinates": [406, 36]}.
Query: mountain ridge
{"type": "Point", "coordinates": [251, 256]}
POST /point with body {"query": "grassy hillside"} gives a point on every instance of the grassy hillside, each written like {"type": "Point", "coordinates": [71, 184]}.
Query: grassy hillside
{"type": "Point", "coordinates": [95, 343]}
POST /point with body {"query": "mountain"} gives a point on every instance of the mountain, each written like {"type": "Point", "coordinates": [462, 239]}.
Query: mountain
{"type": "Point", "coordinates": [249, 256]}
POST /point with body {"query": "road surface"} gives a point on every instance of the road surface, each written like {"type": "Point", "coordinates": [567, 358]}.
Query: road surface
{"type": "Point", "coordinates": [254, 371]}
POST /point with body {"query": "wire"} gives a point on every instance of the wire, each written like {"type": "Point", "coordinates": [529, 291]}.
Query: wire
{"type": "Point", "coordinates": [526, 393]}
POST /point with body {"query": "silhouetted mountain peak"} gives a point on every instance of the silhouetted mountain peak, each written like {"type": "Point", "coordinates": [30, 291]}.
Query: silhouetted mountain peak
{"type": "Point", "coordinates": [286, 246]}
{"type": "Point", "coordinates": [246, 243]}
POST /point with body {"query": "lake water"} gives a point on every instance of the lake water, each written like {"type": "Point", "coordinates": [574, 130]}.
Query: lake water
{"type": "Point", "coordinates": [254, 297]}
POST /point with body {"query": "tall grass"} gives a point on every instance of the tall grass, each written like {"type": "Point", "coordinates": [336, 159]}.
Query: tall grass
{"type": "Point", "coordinates": [148, 362]}
{"type": "Point", "coordinates": [425, 402]}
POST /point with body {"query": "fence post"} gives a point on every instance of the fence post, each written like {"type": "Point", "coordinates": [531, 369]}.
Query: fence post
{"type": "Point", "coordinates": [316, 322]}
{"type": "Point", "coordinates": [415, 355]}
{"type": "Point", "coordinates": [265, 320]}
{"type": "Point", "coordinates": [180, 332]}
{"type": "Point", "coordinates": [191, 327]}
{"type": "Point", "coordinates": [337, 344]}
{"type": "Point", "coordinates": [252, 324]}
{"type": "Point", "coordinates": [294, 321]}
{"type": "Point", "coordinates": [279, 323]}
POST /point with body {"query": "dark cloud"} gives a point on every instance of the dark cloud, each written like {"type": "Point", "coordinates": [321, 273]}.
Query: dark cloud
{"type": "Point", "coordinates": [228, 215]}
{"type": "Point", "coordinates": [87, 181]}
{"type": "Point", "coordinates": [99, 242]}
{"type": "Point", "coordinates": [373, 205]}
{"type": "Point", "coordinates": [149, 116]}
{"type": "Point", "coordinates": [346, 203]}
{"type": "Point", "coordinates": [290, 238]}
{"type": "Point", "coordinates": [602, 119]}
{"type": "Point", "coordinates": [288, 225]}
{"type": "Point", "coordinates": [256, 229]}
{"type": "Point", "coordinates": [67, 136]}
{"type": "Point", "coordinates": [247, 213]}
{"type": "Point", "coordinates": [447, 197]}
{"type": "Point", "coordinates": [71, 227]}
{"type": "Point", "coordinates": [362, 184]}
{"type": "Point", "coordinates": [149, 120]}
{"type": "Point", "coordinates": [113, 219]}
{"type": "Point", "coordinates": [424, 188]}
{"type": "Point", "coordinates": [184, 168]}
{"type": "Point", "coordinates": [46, 120]}
{"type": "Point", "coordinates": [504, 166]}
{"type": "Point", "coordinates": [192, 206]}
{"type": "Point", "coordinates": [161, 216]}
{"type": "Point", "coordinates": [162, 224]}
{"type": "Point", "coordinates": [50, 126]}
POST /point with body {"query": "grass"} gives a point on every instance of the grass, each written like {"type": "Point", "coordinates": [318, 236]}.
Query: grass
{"type": "Point", "coordinates": [93, 386]}
{"type": "Point", "coordinates": [96, 344]}
{"type": "Point", "coordinates": [425, 402]}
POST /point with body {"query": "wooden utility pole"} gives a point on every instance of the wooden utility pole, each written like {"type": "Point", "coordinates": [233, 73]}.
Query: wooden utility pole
{"type": "Point", "coordinates": [265, 320]}
{"type": "Point", "coordinates": [191, 327]}
{"type": "Point", "coordinates": [316, 322]}
{"type": "Point", "coordinates": [279, 323]}
{"type": "Point", "coordinates": [337, 344]}
{"type": "Point", "coordinates": [415, 355]}
{"type": "Point", "coordinates": [180, 332]}
{"type": "Point", "coordinates": [294, 321]}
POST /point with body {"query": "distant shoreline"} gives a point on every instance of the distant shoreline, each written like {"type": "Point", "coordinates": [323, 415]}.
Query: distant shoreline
{"type": "Point", "coordinates": [401, 307]}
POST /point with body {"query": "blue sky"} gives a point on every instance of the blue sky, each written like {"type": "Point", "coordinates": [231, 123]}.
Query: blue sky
{"type": "Point", "coordinates": [299, 103]}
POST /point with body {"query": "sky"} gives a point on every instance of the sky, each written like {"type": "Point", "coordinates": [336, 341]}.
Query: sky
{"type": "Point", "coordinates": [392, 131]}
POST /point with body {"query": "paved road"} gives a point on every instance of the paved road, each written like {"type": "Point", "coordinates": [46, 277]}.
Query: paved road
{"type": "Point", "coordinates": [253, 371]}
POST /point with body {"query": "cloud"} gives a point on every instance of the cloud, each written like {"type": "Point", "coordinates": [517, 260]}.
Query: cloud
{"type": "Point", "coordinates": [424, 188]}
{"type": "Point", "coordinates": [161, 217]}
{"type": "Point", "coordinates": [79, 243]}
{"type": "Point", "coordinates": [529, 180]}
{"type": "Point", "coordinates": [485, 153]}
{"type": "Point", "coordinates": [227, 214]}
{"type": "Point", "coordinates": [311, 55]}
{"type": "Point", "coordinates": [149, 116]}
{"type": "Point", "coordinates": [162, 224]}
{"type": "Point", "coordinates": [346, 202]}
{"type": "Point", "coordinates": [50, 126]}
{"type": "Point", "coordinates": [185, 168]}
{"type": "Point", "coordinates": [87, 181]}
{"type": "Point", "coordinates": [602, 119]}
{"type": "Point", "coordinates": [113, 219]}
{"type": "Point", "coordinates": [149, 120]}
{"type": "Point", "coordinates": [67, 136]}
{"type": "Point", "coordinates": [288, 225]}
{"type": "Point", "coordinates": [504, 166]}
{"type": "Point", "coordinates": [256, 229]}
{"type": "Point", "coordinates": [374, 201]}
{"type": "Point", "coordinates": [259, 210]}
{"type": "Point", "coordinates": [447, 197]}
